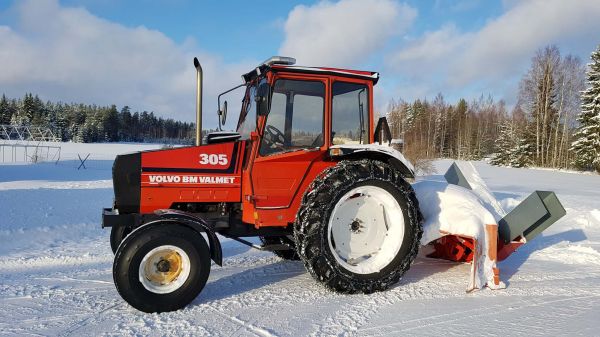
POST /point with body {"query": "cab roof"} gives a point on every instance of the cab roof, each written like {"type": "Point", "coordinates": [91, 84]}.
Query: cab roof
{"type": "Point", "coordinates": [287, 64]}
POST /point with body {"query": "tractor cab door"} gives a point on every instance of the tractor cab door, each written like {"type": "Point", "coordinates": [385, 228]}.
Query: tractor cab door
{"type": "Point", "coordinates": [293, 138]}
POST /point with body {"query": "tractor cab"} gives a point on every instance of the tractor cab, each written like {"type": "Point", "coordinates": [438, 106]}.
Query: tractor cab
{"type": "Point", "coordinates": [291, 117]}
{"type": "Point", "coordinates": [300, 108]}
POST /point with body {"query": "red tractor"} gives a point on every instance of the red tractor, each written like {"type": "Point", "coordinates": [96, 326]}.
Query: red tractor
{"type": "Point", "coordinates": [305, 171]}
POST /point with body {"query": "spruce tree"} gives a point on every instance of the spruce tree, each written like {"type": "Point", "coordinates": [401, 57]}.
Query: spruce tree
{"type": "Point", "coordinates": [505, 144]}
{"type": "Point", "coordinates": [521, 154]}
{"type": "Point", "coordinates": [5, 113]}
{"type": "Point", "coordinates": [586, 146]}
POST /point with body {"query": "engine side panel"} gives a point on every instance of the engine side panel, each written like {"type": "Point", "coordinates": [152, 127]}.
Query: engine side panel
{"type": "Point", "coordinates": [206, 173]}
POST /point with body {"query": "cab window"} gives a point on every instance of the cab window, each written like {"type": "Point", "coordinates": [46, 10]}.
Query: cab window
{"type": "Point", "coordinates": [350, 113]}
{"type": "Point", "coordinates": [295, 120]}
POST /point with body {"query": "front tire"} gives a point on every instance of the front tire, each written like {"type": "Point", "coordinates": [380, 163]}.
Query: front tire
{"type": "Point", "coordinates": [161, 267]}
{"type": "Point", "coordinates": [358, 227]}
{"type": "Point", "coordinates": [117, 234]}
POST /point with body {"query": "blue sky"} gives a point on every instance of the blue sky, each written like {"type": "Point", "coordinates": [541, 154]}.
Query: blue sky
{"type": "Point", "coordinates": [139, 52]}
{"type": "Point", "coordinates": [234, 29]}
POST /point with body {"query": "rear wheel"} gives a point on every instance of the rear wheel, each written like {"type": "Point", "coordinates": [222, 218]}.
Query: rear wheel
{"type": "Point", "coordinates": [278, 240]}
{"type": "Point", "coordinates": [162, 267]}
{"type": "Point", "coordinates": [358, 227]}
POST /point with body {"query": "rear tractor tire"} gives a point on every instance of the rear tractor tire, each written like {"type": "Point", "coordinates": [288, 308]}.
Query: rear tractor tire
{"type": "Point", "coordinates": [358, 227]}
{"type": "Point", "coordinates": [161, 267]}
{"type": "Point", "coordinates": [290, 254]}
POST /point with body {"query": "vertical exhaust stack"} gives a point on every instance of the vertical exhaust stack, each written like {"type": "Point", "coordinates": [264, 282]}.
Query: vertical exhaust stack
{"type": "Point", "coordinates": [198, 101]}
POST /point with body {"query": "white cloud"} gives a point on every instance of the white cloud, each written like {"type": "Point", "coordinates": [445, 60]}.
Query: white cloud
{"type": "Point", "coordinates": [343, 33]}
{"type": "Point", "coordinates": [494, 57]}
{"type": "Point", "coordinates": [65, 53]}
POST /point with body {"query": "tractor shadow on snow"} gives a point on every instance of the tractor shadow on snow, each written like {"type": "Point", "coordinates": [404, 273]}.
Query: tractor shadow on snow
{"type": "Point", "coordinates": [425, 267]}
{"type": "Point", "coordinates": [249, 280]}
{"type": "Point", "coordinates": [513, 263]}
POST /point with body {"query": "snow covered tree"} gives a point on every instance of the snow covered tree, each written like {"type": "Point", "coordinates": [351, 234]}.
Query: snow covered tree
{"type": "Point", "coordinates": [521, 155]}
{"type": "Point", "coordinates": [512, 148]}
{"type": "Point", "coordinates": [586, 145]}
{"type": "Point", "coordinates": [5, 111]}
{"type": "Point", "coordinates": [505, 143]}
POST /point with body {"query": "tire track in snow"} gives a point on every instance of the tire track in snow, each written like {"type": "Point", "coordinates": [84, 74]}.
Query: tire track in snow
{"type": "Point", "coordinates": [94, 318]}
{"type": "Point", "coordinates": [492, 310]}
{"type": "Point", "coordinates": [250, 327]}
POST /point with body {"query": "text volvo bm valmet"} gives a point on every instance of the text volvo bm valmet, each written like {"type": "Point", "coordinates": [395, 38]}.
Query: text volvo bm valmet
{"type": "Point", "coordinates": [306, 170]}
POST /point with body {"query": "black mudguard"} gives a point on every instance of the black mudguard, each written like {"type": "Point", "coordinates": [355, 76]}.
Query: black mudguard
{"type": "Point", "coordinates": [199, 225]}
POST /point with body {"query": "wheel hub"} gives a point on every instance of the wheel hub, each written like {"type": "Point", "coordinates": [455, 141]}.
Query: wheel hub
{"type": "Point", "coordinates": [366, 229]}
{"type": "Point", "coordinates": [355, 226]}
{"type": "Point", "coordinates": [163, 266]}
{"type": "Point", "coordinates": [164, 269]}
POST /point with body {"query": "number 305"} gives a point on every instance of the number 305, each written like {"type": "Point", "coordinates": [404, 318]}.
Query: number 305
{"type": "Point", "coordinates": [213, 159]}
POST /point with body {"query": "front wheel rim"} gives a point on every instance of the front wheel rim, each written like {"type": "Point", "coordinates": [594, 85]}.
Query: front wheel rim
{"type": "Point", "coordinates": [164, 269]}
{"type": "Point", "coordinates": [366, 229]}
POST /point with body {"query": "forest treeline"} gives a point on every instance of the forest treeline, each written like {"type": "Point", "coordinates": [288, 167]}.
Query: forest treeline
{"type": "Point", "coordinates": [555, 122]}
{"type": "Point", "coordinates": [91, 123]}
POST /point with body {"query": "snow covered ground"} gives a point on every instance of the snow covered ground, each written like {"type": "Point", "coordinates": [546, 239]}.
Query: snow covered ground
{"type": "Point", "coordinates": [56, 279]}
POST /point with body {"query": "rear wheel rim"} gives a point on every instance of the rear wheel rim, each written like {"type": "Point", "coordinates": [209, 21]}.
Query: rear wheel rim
{"type": "Point", "coordinates": [366, 229]}
{"type": "Point", "coordinates": [164, 269]}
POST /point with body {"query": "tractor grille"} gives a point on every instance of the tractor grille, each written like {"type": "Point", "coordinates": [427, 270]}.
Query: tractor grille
{"type": "Point", "coordinates": [127, 182]}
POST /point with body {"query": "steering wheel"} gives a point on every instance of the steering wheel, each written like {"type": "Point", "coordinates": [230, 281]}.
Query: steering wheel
{"type": "Point", "coordinates": [274, 136]}
{"type": "Point", "coordinates": [318, 141]}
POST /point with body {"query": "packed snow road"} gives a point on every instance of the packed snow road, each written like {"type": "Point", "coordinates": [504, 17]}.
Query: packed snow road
{"type": "Point", "coordinates": [56, 279]}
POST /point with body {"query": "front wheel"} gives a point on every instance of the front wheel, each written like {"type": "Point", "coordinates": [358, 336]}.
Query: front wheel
{"type": "Point", "coordinates": [358, 227]}
{"type": "Point", "coordinates": [161, 267]}
{"type": "Point", "coordinates": [117, 234]}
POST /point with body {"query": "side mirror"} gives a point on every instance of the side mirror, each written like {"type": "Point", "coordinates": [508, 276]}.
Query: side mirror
{"type": "Point", "coordinates": [223, 113]}
{"type": "Point", "coordinates": [263, 99]}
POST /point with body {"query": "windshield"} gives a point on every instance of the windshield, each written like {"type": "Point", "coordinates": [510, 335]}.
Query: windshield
{"type": "Point", "coordinates": [247, 122]}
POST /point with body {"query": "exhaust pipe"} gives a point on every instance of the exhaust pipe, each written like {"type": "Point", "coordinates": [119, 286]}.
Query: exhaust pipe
{"type": "Point", "coordinates": [198, 101]}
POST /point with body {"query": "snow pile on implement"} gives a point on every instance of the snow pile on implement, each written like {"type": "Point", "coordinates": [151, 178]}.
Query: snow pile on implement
{"type": "Point", "coordinates": [454, 210]}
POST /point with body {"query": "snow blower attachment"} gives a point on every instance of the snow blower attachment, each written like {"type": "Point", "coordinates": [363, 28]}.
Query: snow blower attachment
{"type": "Point", "coordinates": [492, 241]}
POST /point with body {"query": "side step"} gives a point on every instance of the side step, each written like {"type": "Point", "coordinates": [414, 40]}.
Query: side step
{"type": "Point", "coordinates": [268, 248]}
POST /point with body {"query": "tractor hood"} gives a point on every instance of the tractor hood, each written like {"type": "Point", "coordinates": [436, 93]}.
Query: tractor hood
{"type": "Point", "coordinates": [150, 180]}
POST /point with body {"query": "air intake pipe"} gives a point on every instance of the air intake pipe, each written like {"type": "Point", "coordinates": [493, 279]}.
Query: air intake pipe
{"type": "Point", "coordinates": [198, 101]}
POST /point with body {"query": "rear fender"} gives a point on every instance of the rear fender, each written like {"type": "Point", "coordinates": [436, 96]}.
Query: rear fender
{"type": "Point", "coordinates": [197, 224]}
{"type": "Point", "coordinates": [377, 152]}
